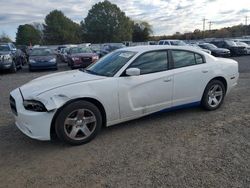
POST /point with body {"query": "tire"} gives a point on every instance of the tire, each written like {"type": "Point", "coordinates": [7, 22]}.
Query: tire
{"type": "Point", "coordinates": [78, 122]}
{"type": "Point", "coordinates": [213, 95]}
{"type": "Point", "coordinates": [13, 68]}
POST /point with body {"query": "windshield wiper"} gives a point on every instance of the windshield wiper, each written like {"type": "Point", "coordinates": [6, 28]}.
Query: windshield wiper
{"type": "Point", "coordinates": [89, 71]}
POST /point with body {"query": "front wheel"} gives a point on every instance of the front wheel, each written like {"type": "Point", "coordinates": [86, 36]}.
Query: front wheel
{"type": "Point", "coordinates": [78, 123]}
{"type": "Point", "coordinates": [213, 95]}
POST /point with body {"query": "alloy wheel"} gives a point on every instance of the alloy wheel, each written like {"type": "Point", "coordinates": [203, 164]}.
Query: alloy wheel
{"type": "Point", "coordinates": [80, 124]}
{"type": "Point", "coordinates": [215, 95]}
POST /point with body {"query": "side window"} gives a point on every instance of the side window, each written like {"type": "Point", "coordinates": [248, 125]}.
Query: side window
{"type": "Point", "coordinates": [199, 59]}
{"type": "Point", "coordinates": [161, 42]}
{"type": "Point", "coordinates": [183, 58]}
{"type": "Point", "coordinates": [151, 62]}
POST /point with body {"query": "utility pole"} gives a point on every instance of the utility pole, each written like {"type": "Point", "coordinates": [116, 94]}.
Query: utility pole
{"type": "Point", "coordinates": [210, 24]}
{"type": "Point", "coordinates": [204, 26]}
{"type": "Point", "coordinates": [246, 20]}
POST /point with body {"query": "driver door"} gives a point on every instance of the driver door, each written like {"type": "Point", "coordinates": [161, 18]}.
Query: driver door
{"type": "Point", "coordinates": [149, 92]}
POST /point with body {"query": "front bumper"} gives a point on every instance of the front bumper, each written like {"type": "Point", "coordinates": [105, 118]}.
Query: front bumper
{"type": "Point", "coordinates": [5, 66]}
{"type": "Point", "coordinates": [35, 125]}
{"type": "Point", "coordinates": [42, 66]}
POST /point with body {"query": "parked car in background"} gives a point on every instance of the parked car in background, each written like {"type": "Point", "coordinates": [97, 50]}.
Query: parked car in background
{"type": "Point", "coordinates": [230, 45]}
{"type": "Point", "coordinates": [124, 85]}
{"type": "Point", "coordinates": [42, 58]}
{"type": "Point", "coordinates": [81, 57]}
{"type": "Point", "coordinates": [62, 55]}
{"type": "Point", "coordinates": [97, 48]}
{"type": "Point", "coordinates": [215, 51]}
{"type": "Point", "coordinates": [198, 47]}
{"type": "Point", "coordinates": [109, 47]}
{"type": "Point", "coordinates": [26, 50]}
{"type": "Point", "coordinates": [172, 42]}
{"type": "Point", "coordinates": [243, 44]}
{"type": "Point", "coordinates": [10, 58]}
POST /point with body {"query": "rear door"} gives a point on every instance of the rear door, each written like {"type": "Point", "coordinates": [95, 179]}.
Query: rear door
{"type": "Point", "coordinates": [191, 75]}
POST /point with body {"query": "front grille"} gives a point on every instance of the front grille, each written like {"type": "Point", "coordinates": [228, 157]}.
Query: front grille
{"type": "Point", "coordinates": [13, 105]}
{"type": "Point", "coordinates": [86, 59]}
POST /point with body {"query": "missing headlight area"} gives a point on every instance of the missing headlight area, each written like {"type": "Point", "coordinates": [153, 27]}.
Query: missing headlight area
{"type": "Point", "coordinates": [33, 105]}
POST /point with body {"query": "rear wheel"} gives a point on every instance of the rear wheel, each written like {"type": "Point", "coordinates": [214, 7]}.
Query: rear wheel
{"type": "Point", "coordinates": [78, 123]}
{"type": "Point", "coordinates": [213, 95]}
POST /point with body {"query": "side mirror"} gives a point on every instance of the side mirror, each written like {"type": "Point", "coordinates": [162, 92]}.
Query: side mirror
{"type": "Point", "coordinates": [133, 72]}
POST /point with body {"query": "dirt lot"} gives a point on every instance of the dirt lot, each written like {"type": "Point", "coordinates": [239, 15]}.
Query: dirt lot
{"type": "Point", "coordinates": [184, 148]}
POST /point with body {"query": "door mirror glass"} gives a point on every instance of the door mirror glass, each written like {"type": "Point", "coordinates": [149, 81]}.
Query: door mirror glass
{"type": "Point", "coordinates": [133, 72]}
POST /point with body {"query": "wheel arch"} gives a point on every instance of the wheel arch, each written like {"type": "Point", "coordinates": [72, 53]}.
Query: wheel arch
{"type": "Point", "coordinates": [89, 99]}
{"type": "Point", "coordinates": [222, 79]}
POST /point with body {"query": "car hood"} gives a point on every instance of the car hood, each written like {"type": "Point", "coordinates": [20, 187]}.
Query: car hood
{"type": "Point", "coordinates": [42, 58]}
{"type": "Point", "coordinates": [53, 81]}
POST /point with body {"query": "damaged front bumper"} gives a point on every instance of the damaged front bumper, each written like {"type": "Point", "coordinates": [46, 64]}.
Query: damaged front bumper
{"type": "Point", "coordinates": [33, 124]}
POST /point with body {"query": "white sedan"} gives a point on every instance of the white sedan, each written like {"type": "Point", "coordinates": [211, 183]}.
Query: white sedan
{"type": "Point", "coordinates": [126, 84]}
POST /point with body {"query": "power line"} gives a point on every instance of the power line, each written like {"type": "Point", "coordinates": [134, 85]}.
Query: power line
{"type": "Point", "coordinates": [204, 26]}
{"type": "Point", "coordinates": [210, 25]}
{"type": "Point", "coordinates": [204, 23]}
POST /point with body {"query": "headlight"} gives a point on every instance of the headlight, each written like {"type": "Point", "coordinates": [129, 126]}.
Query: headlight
{"type": "Point", "coordinates": [32, 61]}
{"type": "Point", "coordinates": [7, 57]}
{"type": "Point", "coordinates": [52, 60]}
{"type": "Point", "coordinates": [95, 58]}
{"type": "Point", "coordinates": [75, 58]}
{"type": "Point", "coordinates": [33, 105]}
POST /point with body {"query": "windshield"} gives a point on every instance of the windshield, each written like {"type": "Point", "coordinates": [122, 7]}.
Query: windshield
{"type": "Point", "coordinates": [210, 46]}
{"type": "Point", "coordinates": [4, 48]}
{"type": "Point", "coordinates": [196, 46]}
{"type": "Point", "coordinates": [113, 47]}
{"type": "Point", "coordinates": [178, 43]}
{"type": "Point", "coordinates": [79, 50]}
{"type": "Point", "coordinates": [231, 43]}
{"type": "Point", "coordinates": [110, 64]}
{"type": "Point", "coordinates": [41, 52]}
{"type": "Point", "coordinates": [241, 44]}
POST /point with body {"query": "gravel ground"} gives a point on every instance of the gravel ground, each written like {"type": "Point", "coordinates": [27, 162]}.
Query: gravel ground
{"type": "Point", "coordinates": [184, 148]}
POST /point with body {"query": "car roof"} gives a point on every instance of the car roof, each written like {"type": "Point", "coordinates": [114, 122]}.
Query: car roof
{"type": "Point", "coordinates": [142, 49]}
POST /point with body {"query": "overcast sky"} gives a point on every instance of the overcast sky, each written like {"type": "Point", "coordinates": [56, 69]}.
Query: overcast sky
{"type": "Point", "coordinates": [166, 16]}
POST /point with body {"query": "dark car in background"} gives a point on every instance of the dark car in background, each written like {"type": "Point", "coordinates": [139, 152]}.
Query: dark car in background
{"type": "Point", "coordinates": [215, 51]}
{"type": "Point", "coordinates": [25, 50]}
{"type": "Point", "coordinates": [230, 45]}
{"type": "Point", "coordinates": [243, 44]}
{"type": "Point", "coordinates": [81, 57]}
{"type": "Point", "coordinates": [109, 47]}
{"type": "Point", "coordinates": [10, 57]}
{"type": "Point", "coordinates": [42, 58]}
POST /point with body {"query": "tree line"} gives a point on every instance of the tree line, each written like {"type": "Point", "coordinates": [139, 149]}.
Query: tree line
{"type": "Point", "coordinates": [105, 22]}
{"type": "Point", "coordinates": [227, 32]}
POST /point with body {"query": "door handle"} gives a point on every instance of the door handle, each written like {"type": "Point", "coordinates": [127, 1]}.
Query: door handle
{"type": "Point", "coordinates": [205, 71]}
{"type": "Point", "coordinates": [167, 80]}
